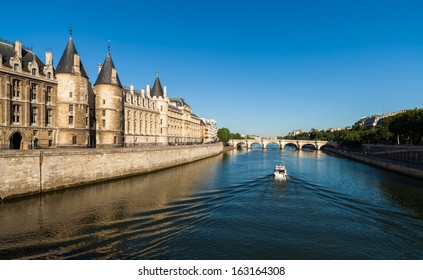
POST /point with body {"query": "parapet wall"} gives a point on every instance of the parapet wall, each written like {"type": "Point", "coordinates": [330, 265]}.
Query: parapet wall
{"type": "Point", "coordinates": [28, 172]}
{"type": "Point", "coordinates": [404, 168]}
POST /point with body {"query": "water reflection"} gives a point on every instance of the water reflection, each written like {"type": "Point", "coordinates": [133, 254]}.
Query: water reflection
{"type": "Point", "coordinates": [63, 215]}
{"type": "Point", "coordinates": [226, 207]}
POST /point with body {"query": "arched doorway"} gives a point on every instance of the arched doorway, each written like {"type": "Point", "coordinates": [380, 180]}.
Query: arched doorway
{"type": "Point", "coordinates": [15, 141]}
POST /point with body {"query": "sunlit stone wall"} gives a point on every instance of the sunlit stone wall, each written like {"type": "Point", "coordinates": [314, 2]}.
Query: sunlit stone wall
{"type": "Point", "coordinates": [46, 170]}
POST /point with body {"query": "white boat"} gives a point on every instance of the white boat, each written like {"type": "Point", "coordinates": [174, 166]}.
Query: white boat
{"type": "Point", "coordinates": [280, 172]}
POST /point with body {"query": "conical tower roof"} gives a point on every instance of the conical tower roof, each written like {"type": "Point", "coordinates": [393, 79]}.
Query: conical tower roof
{"type": "Point", "coordinates": [157, 89]}
{"type": "Point", "coordinates": [66, 62]}
{"type": "Point", "coordinates": [105, 75]}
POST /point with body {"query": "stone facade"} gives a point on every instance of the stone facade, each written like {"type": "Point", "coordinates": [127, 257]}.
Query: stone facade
{"type": "Point", "coordinates": [45, 108]}
{"type": "Point", "coordinates": [210, 130]}
{"type": "Point", "coordinates": [28, 98]}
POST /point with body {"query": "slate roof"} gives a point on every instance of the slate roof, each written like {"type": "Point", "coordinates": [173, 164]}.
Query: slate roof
{"type": "Point", "coordinates": [105, 75]}
{"type": "Point", "coordinates": [157, 89]}
{"type": "Point", "coordinates": [179, 101]}
{"type": "Point", "coordinates": [67, 60]}
{"type": "Point", "coordinates": [8, 51]}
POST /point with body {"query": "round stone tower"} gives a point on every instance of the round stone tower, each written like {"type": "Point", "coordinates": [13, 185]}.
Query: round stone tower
{"type": "Point", "coordinates": [73, 95]}
{"type": "Point", "coordinates": [109, 105]}
{"type": "Point", "coordinates": [159, 94]}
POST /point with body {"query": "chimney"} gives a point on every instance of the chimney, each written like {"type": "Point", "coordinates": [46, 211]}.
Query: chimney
{"type": "Point", "coordinates": [99, 67]}
{"type": "Point", "coordinates": [131, 89]}
{"type": "Point", "coordinates": [148, 89]}
{"type": "Point", "coordinates": [164, 92]}
{"type": "Point", "coordinates": [18, 48]}
{"type": "Point", "coordinates": [49, 58]}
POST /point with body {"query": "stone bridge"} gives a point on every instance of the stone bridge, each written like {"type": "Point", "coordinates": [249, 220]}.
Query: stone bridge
{"type": "Point", "coordinates": [281, 143]}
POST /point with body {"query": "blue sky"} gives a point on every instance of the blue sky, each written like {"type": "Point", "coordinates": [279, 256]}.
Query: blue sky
{"type": "Point", "coordinates": [257, 67]}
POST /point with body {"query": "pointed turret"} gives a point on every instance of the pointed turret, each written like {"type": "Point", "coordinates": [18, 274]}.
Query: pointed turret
{"type": "Point", "coordinates": [108, 74]}
{"type": "Point", "coordinates": [73, 100]}
{"type": "Point", "coordinates": [109, 105]}
{"type": "Point", "coordinates": [70, 59]}
{"type": "Point", "coordinates": [157, 89]}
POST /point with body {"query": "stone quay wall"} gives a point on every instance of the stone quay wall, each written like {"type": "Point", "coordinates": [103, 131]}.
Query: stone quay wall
{"type": "Point", "coordinates": [405, 168]}
{"type": "Point", "coordinates": [36, 171]}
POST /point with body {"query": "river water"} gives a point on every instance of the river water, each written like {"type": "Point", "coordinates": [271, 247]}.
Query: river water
{"type": "Point", "coordinates": [226, 207]}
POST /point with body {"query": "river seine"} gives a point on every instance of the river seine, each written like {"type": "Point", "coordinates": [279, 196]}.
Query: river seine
{"type": "Point", "coordinates": [226, 207]}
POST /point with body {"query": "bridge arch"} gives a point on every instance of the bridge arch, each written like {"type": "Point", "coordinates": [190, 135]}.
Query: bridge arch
{"type": "Point", "coordinates": [273, 145]}
{"type": "Point", "coordinates": [239, 144]}
{"type": "Point", "coordinates": [327, 146]}
{"type": "Point", "coordinates": [290, 145]}
{"type": "Point", "coordinates": [308, 146]}
{"type": "Point", "coordinates": [256, 146]}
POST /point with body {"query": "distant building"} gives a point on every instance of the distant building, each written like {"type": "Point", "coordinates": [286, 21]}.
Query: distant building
{"type": "Point", "coordinates": [375, 121]}
{"type": "Point", "coordinates": [295, 132]}
{"type": "Point", "coordinates": [210, 130]}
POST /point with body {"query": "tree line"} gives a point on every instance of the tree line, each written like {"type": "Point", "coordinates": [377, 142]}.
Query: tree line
{"type": "Point", "coordinates": [403, 128]}
{"type": "Point", "coordinates": [224, 135]}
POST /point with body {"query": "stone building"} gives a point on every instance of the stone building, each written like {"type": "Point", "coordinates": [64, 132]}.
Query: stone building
{"type": "Point", "coordinates": [145, 115]}
{"type": "Point", "coordinates": [109, 105]}
{"type": "Point", "coordinates": [75, 101]}
{"type": "Point", "coordinates": [184, 126]}
{"type": "Point", "coordinates": [45, 108]}
{"type": "Point", "coordinates": [28, 98]}
{"type": "Point", "coordinates": [210, 130]}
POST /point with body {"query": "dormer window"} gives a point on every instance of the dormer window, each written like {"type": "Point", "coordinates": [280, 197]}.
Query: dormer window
{"type": "Point", "coordinates": [49, 75]}
{"type": "Point", "coordinates": [34, 71]}
{"type": "Point", "coordinates": [15, 67]}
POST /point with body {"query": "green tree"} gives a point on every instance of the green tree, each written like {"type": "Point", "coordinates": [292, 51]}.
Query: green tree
{"type": "Point", "coordinates": [235, 136]}
{"type": "Point", "coordinates": [224, 135]}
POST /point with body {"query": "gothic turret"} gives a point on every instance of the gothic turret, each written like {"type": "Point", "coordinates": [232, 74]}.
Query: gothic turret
{"type": "Point", "coordinates": [73, 100]}
{"type": "Point", "coordinates": [109, 107]}
{"type": "Point", "coordinates": [70, 61]}
{"type": "Point", "coordinates": [107, 73]}
{"type": "Point", "coordinates": [157, 89]}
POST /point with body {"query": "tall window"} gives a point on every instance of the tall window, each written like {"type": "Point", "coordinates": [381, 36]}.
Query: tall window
{"type": "Point", "coordinates": [103, 123]}
{"type": "Point", "coordinates": [49, 90]}
{"type": "Point", "coordinates": [16, 113]}
{"type": "Point", "coordinates": [70, 120]}
{"type": "Point", "coordinates": [33, 91]}
{"type": "Point", "coordinates": [34, 112]}
{"type": "Point", "coordinates": [103, 113]}
{"type": "Point", "coordinates": [70, 109]}
{"type": "Point", "coordinates": [70, 94]}
{"type": "Point", "coordinates": [16, 88]}
{"type": "Point", "coordinates": [74, 140]}
{"type": "Point", "coordinates": [49, 116]}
